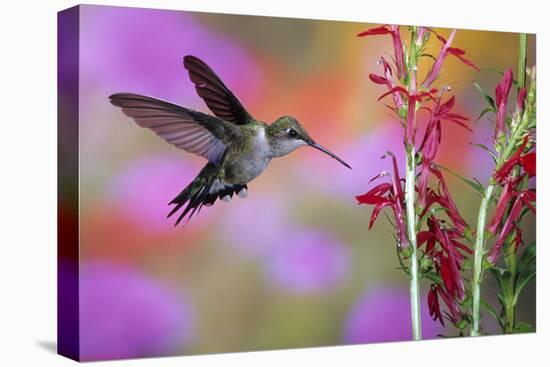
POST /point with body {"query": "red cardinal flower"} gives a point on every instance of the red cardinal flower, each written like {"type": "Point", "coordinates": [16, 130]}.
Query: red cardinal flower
{"type": "Point", "coordinates": [448, 257]}
{"type": "Point", "coordinates": [446, 50]}
{"type": "Point", "coordinates": [448, 261]}
{"type": "Point", "coordinates": [444, 199]}
{"type": "Point", "coordinates": [388, 194]}
{"type": "Point", "coordinates": [454, 314]}
{"type": "Point", "coordinates": [522, 200]}
{"type": "Point", "coordinates": [511, 193]}
{"type": "Point", "coordinates": [501, 98]}
{"type": "Point", "coordinates": [433, 305]}
{"type": "Point", "coordinates": [397, 45]}
{"type": "Point", "coordinates": [412, 97]}
{"type": "Point", "coordinates": [387, 80]}
{"type": "Point", "coordinates": [375, 31]}
{"type": "Point", "coordinates": [432, 139]}
{"type": "Point", "coordinates": [506, 195]}
{"type": "Point", "coordinates": [526, 160]}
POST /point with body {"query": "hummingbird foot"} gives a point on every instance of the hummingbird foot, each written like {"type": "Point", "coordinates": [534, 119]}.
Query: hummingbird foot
{"type": "Point", "coordinates": [226, 198]}
{"type": "Point", "coordinates": [243, 193]}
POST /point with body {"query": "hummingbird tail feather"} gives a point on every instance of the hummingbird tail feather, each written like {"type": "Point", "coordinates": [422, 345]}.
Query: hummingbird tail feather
{"type": "Point", "coordinates": [204, 190]}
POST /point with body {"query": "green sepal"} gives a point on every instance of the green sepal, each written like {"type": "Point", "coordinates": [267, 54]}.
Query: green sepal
{"type": "Point", "coordinates": [485, 148]}
{"type": "Point", "coordinates": [527, 269]}
{"type": "Point", "coordinates": [484, 112]}
{"type": "Point", "coordinates": [523, 327]}
{"type": "Point", "coordinates": [473, 184]}
{"type": "Point", "coordinates": [491, 311]}
{"type": "Point", "coordinates": [486, 96]}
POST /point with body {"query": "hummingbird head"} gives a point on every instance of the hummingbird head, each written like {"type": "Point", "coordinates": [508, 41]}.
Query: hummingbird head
{"type": "Point", "coordinates": [287, 134]}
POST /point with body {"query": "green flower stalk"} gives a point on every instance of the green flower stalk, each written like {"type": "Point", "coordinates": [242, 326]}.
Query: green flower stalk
{"type": "Point", "coordinates": [514, 165]}
{"type": "Point", "coordinates": [439, 264]}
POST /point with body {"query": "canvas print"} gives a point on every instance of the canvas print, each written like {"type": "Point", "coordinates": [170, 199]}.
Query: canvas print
{"type": "Point", "coordinates": [235, 183]}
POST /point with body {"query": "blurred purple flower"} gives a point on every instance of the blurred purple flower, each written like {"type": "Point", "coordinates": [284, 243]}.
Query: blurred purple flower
{"type": "Point", "coordinates": [124, 314]}
{"type": "Point", "coordinates": [479, 163]}
{"type": "Point", "coordinates": [308, 262]}
{"type": "Point", "coordinates": [141, 50]}
{"type": "Point", "coordinates": [266, 227]}
{"type": "Point", "coordinates": [143, 189]}
{"type": "Point", "coordinates": [383, 315]}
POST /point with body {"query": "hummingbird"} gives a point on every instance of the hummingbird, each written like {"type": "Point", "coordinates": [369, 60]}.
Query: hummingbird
{"type": "Point", "coordinates": [237, 146]}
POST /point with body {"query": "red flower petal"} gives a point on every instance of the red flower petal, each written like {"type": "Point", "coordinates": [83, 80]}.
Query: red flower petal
{"type": "Point", "coordinates": [375, 195]}
{"type": "Point", "coordinates": [505, 231]}
{"type": "Point", "coordinates": [375, 31]}
{"type": "Point", "coordinates": [501, 96]}
{"type": "Point", "coordinates": [394, 90]}
{"type": "Point", "coordinates": [456, 51]}
{"type": "Point", "coordinates": [501, 207]}
{"type": "Point", "coordinates": [377, 79]}
{"type": "Point", "coordinates": [528, 162]}
{"type": "Point", "coordinates": [398, 51]}
{"type": "Point", "coordinates": [502, 173]}
{"type": "Point", "coordinates": [433, 305]}
{"type": "Point", "coordinates": [447, 106]}
{"type": "Point", "coordinates": [376, 211]}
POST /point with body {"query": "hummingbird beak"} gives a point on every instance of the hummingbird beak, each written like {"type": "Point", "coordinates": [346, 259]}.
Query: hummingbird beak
{"type": "Point", "coordinates": [326, 151]}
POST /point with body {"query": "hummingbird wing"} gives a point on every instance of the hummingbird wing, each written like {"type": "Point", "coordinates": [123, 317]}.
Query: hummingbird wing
{"type": "Point", "coordinates": [213, 91]}
{"type": "Point", "coordinates": [187, 129]}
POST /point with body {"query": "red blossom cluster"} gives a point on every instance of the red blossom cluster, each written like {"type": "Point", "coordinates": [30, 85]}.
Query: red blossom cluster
{"type": "Point", "coordinates": [514, 198]}
{"type": "Point", "coordinates": [388, 195]}
{"type": "Point", "coordinates": [441, 240]}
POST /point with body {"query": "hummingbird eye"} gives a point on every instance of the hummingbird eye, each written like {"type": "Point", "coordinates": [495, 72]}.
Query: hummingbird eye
{"type": "Point", "coordinates": [292, 133]}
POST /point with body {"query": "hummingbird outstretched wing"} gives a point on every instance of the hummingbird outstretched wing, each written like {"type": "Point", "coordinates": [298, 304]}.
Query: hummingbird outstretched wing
{"type": "Point", "coordinates": [221, 101]}
{"type": "Point", "coordinates": [187, 129]}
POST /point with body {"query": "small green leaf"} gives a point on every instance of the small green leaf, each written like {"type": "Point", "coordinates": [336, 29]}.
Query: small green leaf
{"type": "Point", "coordinates": [501, 275]}
{"type": "Point", "coordinates": [528, 256]}
{"type": "Point", "coordinates": [467, 302]}
{"type": "Point", "coordinates": [527, 269]}
{"type": "Point", "coordinates": [523, 327]}
{"type": "Point", "coordinates": [485, 264]}
{"type": "Point", "coordinates": [476, 186]}
{"type": "Point", "coordinates": [487, 97]}
{"type": "Point", "coordinates": [484, 112]}
{"type": "Point", "coordinates": [491, 311]}
{"type": "Point", "coordinates": [419, 158]}
{"type": "Point", "coordinates": [485, 148]}
{"type": "Point", "coordinates": [407, 251]}
{"type": "Point", "coordinates": [462, 324]}
{"type": "Point", "coordinates": [426, 263]}
{"type": "Point", "coordinates": [434, 277]}
{"type": "Point", "coordinates": [402, 111]}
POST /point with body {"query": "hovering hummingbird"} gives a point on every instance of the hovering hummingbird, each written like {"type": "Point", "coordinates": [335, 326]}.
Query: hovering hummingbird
{"type": "Point", "coordinates": [237, 146]}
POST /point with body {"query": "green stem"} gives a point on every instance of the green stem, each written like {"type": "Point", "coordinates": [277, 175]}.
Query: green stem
{"type": "Point", "coordinates": [517, 132]}
{"type": "Point", "coordinates": [410, 179]}
{"type": "Point", "coordinates": [479, 251]}
{"type": "Point", "coordinates": [522, 59]}
{"type": "Point", "coordinates": [510, 304]}
{"type": "Point", "coordinates": [511, 260]}
{"type": "Point", "coordinates": [411, 231]}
